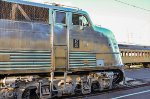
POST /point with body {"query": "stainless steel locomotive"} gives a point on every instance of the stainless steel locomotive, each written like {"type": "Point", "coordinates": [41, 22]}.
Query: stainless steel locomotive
{"type": "Point", "coordinates": [52, 50]}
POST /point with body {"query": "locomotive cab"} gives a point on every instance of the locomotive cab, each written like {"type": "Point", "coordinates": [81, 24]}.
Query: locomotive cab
{"type": "Point", "coordinates": [88, 46]}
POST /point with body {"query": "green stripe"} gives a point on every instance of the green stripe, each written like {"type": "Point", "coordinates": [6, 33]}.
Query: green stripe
{"type": "Point", "coordinates": [37, 51]}
{"type": "Point", "coordinates": [25, 52]}
{"type": "Point", "coordinates": [25, 62]}
{"type": "Point", "coordinates": [22, 63]}
{"type": "Point", "coordinates": [82, 59]}
{"type": "Point", "coordinates": [30, 54]}
{"type": "Point", "coordinates": [11, 65]}
{"type": "Point", "coordinates": [30, 59]}
{"type": "Point", "coordinates": [81, 66]}
{"type": "Point", "coordinates": [81, 53]}
{"type": "Point", "coordinates": [25, 68]}
{"type": "Point", "coordinates": [12, 53]}
{"type": "Point", "coordinates": [84, 64]}
{"type": "Point", "coordinates": [74, 62]}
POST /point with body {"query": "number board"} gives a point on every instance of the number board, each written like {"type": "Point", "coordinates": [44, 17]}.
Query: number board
{"type": "Point", "coordinates": [76, 43]}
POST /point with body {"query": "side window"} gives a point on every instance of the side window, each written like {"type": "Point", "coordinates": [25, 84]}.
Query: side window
{"type": "Point", "coordinates": [84, 21]}
{"type": "Point", "coordinates": [60, 17]}
{"type": "Point", "coordinates": [75, 19]}
{"type": "Point", "coordinates": [79, 20]}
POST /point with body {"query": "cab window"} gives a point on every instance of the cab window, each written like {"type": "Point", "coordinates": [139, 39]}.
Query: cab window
{"type": "Point", "coordinates": [60, 17]}
{"type": "Point", "coordinates": [79, 20]}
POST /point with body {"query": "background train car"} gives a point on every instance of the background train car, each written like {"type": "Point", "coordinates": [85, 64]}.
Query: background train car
{"type": "Point", "coordinates": [135, 55]}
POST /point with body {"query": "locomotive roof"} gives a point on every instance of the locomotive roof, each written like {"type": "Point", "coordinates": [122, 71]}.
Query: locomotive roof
{"type": "Point", "coordinates": [134, 47]}
{"type": "Point", "coordinates": [52, 5]}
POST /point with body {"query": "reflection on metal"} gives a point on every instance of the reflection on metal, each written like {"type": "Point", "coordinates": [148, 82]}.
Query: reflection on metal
{"type": "Point", "coordinates": [68, 38]}
{"type": "Point", "coordinates": [51, 21]}
{"type": "Point", "coordinates": [24, 35]}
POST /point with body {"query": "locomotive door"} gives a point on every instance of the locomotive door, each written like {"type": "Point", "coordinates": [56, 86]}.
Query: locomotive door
{"type": "Point", "coordinates": [82, 38]}
{"type": "Point", "coordinates": [60, 40]}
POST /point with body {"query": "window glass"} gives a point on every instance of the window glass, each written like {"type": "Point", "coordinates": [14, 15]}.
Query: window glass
{"type": "Point", "coordinates": [61, 17]}
{"type": "Point", "coordinates": [79, 20]}
{"type": "Point", "coordinates": [75, 19]}
{"type": "Point", "coordinates": [129, 53]}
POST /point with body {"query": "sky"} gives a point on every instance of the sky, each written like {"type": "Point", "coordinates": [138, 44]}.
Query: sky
{"type": "Point", "coordinates": [129, 20]}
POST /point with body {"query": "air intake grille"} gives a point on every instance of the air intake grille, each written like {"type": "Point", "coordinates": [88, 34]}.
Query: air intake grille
{"type": "Point", "coordinates": [24, 60]}
{"type": "Point", "coordinates": [82, 59]}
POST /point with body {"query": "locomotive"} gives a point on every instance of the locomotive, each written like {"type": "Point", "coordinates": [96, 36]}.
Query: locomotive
{"type": "Point", "coordinates": [51, 50]}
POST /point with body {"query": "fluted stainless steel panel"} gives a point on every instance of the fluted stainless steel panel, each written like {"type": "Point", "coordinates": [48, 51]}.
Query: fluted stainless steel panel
{"type": "Point", "coordinates": [24, 60]}
{"type": "Point", "coordinates": [82, 59]}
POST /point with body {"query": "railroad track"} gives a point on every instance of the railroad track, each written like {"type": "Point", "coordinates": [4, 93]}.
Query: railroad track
{"type": "Point", "coordinates": [129, 85]}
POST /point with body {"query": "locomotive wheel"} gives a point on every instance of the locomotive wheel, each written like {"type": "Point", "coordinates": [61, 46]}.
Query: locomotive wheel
{"type": "Point", "coordinates": [119, 76]}
{"type": "Point", "coordinates": [30, 93]}
{"type": "Point", "coordinates": [78, 90]}
{"type": "Point", "coordinates": [95, 87]}
{"type": "Point", "coordinates": [10, 94]}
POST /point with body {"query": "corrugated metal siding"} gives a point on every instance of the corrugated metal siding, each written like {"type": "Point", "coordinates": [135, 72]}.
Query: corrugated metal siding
{"type": "Point", "coordinates": [82, 59]}
{"type": "Point", "coordinates": [25, 60]}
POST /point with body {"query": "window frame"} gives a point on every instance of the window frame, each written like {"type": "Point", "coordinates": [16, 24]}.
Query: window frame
{"type": "Point", "coordinates": [61, 11]}
{"type": "Point", "coordinates": [80, 14]}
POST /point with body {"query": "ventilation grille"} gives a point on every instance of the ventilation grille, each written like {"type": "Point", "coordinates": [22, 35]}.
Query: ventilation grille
{"type": "Point", "coordinates": [22, 12]}
{"type": "Point", "coordinates": [24, 60]}
{"type": "Point", "coordinates": [82, 59]}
